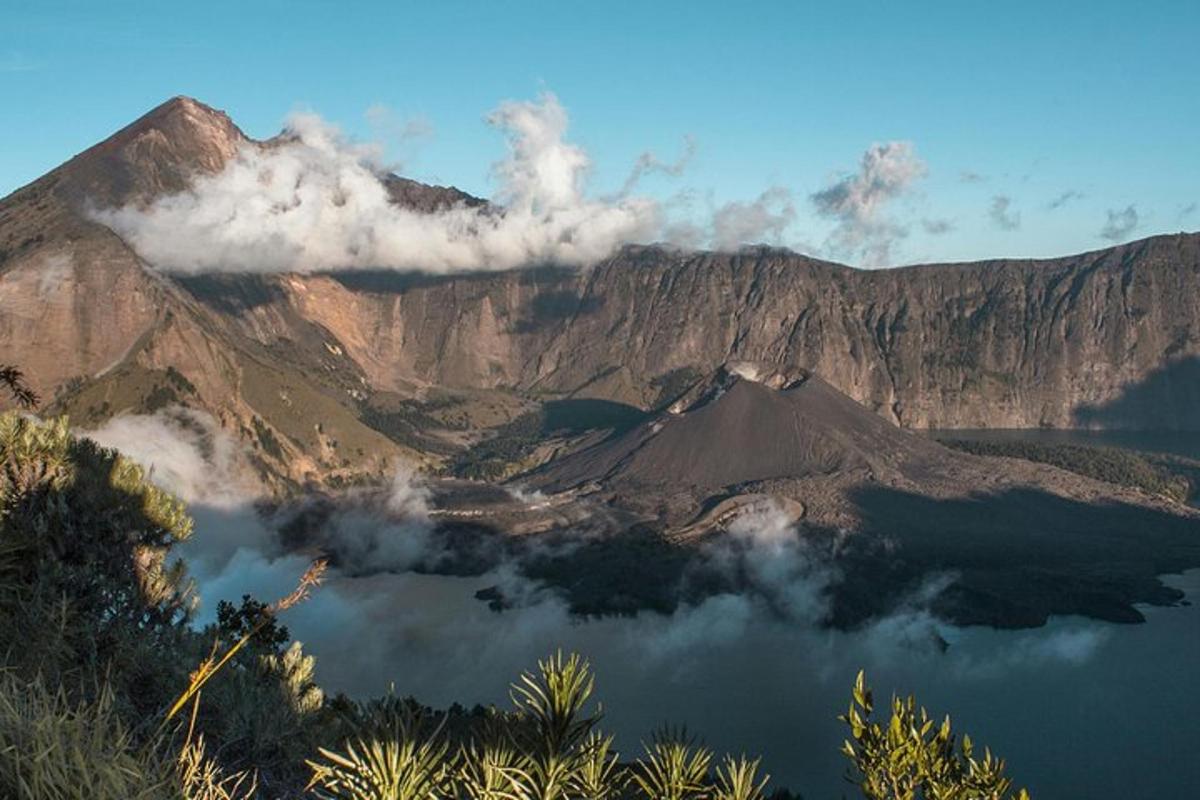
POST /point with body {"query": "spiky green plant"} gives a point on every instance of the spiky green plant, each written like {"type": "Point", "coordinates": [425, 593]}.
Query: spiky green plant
{"type": "Point", "coordinates": [294, 672]}
{"type": "Point", "coordinates": [598, 777]}
{"type": "Point", "coordinates": [674, 767]}
{"type": "Point", "coordinates": [552, 703]}
{"type": "Point", "coordinates": [914, 758]}
{"type": "Point", "coordinates": [492, 770]}
{"type": "Point", "coordinates": [737, 779]}
{"type": "Point", "coordinates": [405, 764]}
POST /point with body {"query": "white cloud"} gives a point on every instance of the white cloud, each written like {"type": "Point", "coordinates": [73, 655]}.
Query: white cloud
{"type": "Point", "coordinates": [314, 201]}
{"type": "Point", "coordinates": [185, 452]}
{"type": "Point", "coordinates": [857, 202]}
{"type": "Point", "coordinates": [761, 221]}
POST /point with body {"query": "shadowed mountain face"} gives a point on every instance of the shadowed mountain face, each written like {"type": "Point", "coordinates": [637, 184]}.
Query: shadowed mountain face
{"type": "Point", "coordinates": [1009, 559]}
{"type": "Point", "coordinates": [1016, 556]}
{"type": "Point", "coordinates": [1171, 392]}
{"type": "Point", "coordinates": [740, 430]}
{"type": "Point", "coordinates": [1105, 339]}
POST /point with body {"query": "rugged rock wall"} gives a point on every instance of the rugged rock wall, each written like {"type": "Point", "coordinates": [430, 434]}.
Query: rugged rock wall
{"type": "Point", "coordinates": [1105, 339]}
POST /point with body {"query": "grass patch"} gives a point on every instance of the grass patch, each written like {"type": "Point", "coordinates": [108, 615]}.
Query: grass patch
{"type": "Point", "coordinates": [1108, 464]}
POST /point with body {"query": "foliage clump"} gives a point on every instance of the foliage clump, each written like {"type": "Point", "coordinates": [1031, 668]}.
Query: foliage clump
{"type": "Point", "coordinates": [912, 757]}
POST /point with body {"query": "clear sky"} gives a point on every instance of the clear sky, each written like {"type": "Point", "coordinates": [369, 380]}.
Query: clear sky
{"type": "Point", "coordinates": [1007, 105]}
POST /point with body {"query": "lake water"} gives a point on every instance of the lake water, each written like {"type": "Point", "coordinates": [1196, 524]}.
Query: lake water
{"type": "Point", "coordinates": [1079, 708]}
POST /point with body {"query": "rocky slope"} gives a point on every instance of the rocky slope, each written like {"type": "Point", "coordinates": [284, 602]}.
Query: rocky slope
{"type": "Point", "coordinates": [295, 363]}
{"type": "Point", "coordinates": [747, 424]}
{"type": "Point", "coordinates": [1104, 339]}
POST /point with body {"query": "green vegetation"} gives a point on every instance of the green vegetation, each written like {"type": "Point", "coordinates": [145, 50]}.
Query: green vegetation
{"type": "Point", "coordinates": [267, 440]}
{"type": "Point", "coordinates": [109, 692]}
{"type": "Point", "coordinates": [1119, 467]}
{"type": "Point", "coordinates": [408, 423]}
{"type": "Point", "coordinates": [130, 387]}
{"type": "Point", "coordinates": [911, 757]}
{"type": "Point", "coordinates": [509, 444]}
{"type": "Point", "coordinates": [512, 443]}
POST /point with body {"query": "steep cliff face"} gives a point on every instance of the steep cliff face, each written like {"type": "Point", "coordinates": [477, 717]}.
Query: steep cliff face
{"type": "Point", "coordinates": [1103, 339]}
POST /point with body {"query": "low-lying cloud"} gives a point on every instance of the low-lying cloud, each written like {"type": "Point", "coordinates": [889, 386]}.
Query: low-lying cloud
{"type": "Point", "coordinates": [313, 200]}
{"type": "Point", "coordinates": [857, 202]}
{"type": "Point", "coordinates": [764, 555]}
{"type": "Point", "coordinates": [762, 220]}
{"type": "Point", "coordinates": [185, 451]}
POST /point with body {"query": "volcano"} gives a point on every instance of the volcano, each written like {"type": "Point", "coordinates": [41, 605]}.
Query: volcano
{"type": "Point", "coordinates": [748, 423]}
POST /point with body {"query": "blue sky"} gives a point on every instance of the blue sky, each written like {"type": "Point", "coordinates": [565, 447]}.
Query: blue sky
{"type": "Point", "coordinates": [1096, 101]}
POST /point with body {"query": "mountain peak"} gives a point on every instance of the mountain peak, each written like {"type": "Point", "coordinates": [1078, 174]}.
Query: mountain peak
{"type": "Point", "coordinates": [186, 110]}
{"type": "Point", "coordinates": [156, 154]}
{"type": "Point", "coordinates": [773, 376]}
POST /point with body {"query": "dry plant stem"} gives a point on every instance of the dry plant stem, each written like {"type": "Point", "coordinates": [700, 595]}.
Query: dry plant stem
{"type": "Point", "coordinates": [311, 579]}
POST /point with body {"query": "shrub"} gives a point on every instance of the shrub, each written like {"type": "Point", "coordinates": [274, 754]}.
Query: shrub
{"type": "Point", "coordinates": [89, 526]}
{"type": "Point", "coordinates": [914, 758]}
{"type": "Point", "coordinates": [400, 765]}
{"type": "Point", "coordinates": [674, 767]}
